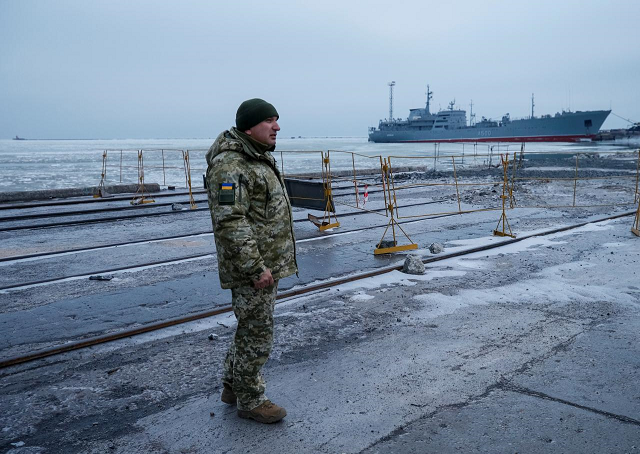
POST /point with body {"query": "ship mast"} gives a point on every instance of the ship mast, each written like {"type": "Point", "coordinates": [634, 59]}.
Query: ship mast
{"type": "Point", "coordinates": [391, 85]}
{"type": "Point", "coordinates": [532, 104]}
{"type": "Point", "coordinates": [472, 116]}
{"type": "Point", "coordinates": [429, 96]}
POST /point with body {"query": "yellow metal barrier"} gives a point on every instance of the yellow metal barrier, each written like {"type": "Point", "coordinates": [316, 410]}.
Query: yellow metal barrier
{"type": "Point", "coordinates": [100, 191]}
{"type": "Point", "coordinates": [162, 172]}
{"type": "Point", "coordinates": [359, 182]}
{"type": "Point", "coordinates": [637, 194]}
{"type": "Point", "coordinates": [576, 177]}
{"type": "Point", "coordinates": [187, 177]}
{"type": "Point", "coordinates": [574, 180]}
{"type": "Point", "coordinates": [513, 175]}
{"type": "Point", "coordinates": [505, 185]}
{"type": "Point", "coordinates": [455, 184]}
{"type": "Point", "coordinates": [142, 198]}
{"type": "Point", "coordinates": [328, 194]}
{"type": "Point", "coordinates": [636, 224]}
{"type": "Point", "coordinates": [381, 248]}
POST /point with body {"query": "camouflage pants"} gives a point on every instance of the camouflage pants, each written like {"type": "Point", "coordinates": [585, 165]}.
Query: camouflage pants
{"type": "Point", "coordinates": [252, 344]}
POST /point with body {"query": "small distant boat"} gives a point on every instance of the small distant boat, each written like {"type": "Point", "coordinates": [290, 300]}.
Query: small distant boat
{"type": "Point", "coordinates": [18, 138]}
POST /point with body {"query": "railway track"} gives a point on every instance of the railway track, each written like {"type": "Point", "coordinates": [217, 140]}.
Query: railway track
{"type": "Point", "coordinates": [310, 289]}
{"type": "Point", "coordinates": [128, 198]}
{"type": "Point", "coordinates": [125, 198]}
{"type": "Point", "coordinates": [88, 212]}
{"type": "Point", "coordinates": [142, 215]}
{"type": "Point", "coordinates": [147, 212]}
{"type": "Point", "coordinates": [24, 285]}
{"type": "Point", "coordinates": [79, 201]}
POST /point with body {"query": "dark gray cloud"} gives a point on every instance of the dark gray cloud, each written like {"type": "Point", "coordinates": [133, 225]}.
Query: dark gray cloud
{"type": "Point", "coordinates": [103, 69]}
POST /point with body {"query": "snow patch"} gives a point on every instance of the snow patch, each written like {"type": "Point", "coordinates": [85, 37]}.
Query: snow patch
{"type": "Point", "coordinates": [528, 244]}
{"type": "Point", "coordinates": [549, 289]}
{"type": "Point", "coordinates": [397, 278]}
{"type": "Point", "coordinates": [469, 264]}
{"type": "Point", "coordinates": [361, 297]}
{"type": "Point", "coordinates": [594, 227]}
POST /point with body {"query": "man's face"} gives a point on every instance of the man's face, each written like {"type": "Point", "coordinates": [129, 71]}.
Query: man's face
{"type": "Point", "coordinates": [265, 131]}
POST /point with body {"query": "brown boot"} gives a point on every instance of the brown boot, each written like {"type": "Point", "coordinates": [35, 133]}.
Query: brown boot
{"type": "Point", "coordinates": [228, 396]}
{"type": "Point", "coordinates": [267, 412]}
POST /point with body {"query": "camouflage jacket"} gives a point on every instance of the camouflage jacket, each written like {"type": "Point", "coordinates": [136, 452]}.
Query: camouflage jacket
{"type": "Point", "coordinates": [250, 211]}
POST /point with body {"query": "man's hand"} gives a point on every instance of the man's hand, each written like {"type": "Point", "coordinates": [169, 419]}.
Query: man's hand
{"type": "Point", "coordinates": [265, 279]}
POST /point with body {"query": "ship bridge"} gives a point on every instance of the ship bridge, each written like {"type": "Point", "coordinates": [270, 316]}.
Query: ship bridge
{"type": "Point", "coordinates": [451, 119]}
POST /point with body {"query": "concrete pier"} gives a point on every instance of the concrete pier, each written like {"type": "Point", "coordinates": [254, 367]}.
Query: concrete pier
{"type": "Point", "coordinates": [530, 347]}
{"type": "Point", "coordinates": [46, 194]}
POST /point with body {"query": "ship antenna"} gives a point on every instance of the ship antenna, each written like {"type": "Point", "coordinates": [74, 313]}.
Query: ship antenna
{"type": "Point", "coordinates": [429, 96]}
{"type": "Point", "coordinates": [532, 104]}
{"type": "Point", "coordinates": [391, 85]}
{"type": "Point", "coordinates": [472, 116]}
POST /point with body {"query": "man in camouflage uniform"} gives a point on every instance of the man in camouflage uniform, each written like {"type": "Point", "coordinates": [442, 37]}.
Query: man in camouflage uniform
{"type": "Point", "coordinates": [253, 227]}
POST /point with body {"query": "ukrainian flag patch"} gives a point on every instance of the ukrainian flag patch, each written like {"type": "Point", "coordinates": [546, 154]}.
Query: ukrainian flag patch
{"type": "Point", "coordinates": [227, 194]}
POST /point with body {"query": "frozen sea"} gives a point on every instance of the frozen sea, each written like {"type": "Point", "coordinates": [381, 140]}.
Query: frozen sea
{"type": "Point", "coordinates": [52, 164]}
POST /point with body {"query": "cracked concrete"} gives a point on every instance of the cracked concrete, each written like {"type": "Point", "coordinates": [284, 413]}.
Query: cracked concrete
{"type": "Point", "coordinates": [475, 356]}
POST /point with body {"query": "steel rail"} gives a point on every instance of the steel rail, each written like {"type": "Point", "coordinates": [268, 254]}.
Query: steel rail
{"type": "Point", "coordinates": [128, 197]}
{"type": "Point", "coordinates": [130, 207]}
{"type": "Point", "coordinates": [97, 220]}
{"type": "Point", "coordinates": [165, 238]}
{"type": "Point", "coordinates": [122, 208]}
{"type": "Point", "coordinates": [175, 237]}
{"type": "Point", "coordinates": [309, 289]}
{"type": "Point", "coordinates": [67, 201]}
{"type": "Point", "coordinates": [104, 210]}
{"type": "Point", "coordinates": [117, 218]}
{"type": "Point", "coordinates": [100, 210]}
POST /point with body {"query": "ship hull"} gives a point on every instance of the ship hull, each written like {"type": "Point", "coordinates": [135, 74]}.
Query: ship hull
{"type": "Point", "coordinates": [576, 138]}
{"type": "Point", "coordinates": [568, 127]}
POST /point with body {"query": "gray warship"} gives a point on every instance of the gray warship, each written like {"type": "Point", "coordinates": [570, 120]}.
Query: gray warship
{"type": "Point", "coordinates": [450, 125]}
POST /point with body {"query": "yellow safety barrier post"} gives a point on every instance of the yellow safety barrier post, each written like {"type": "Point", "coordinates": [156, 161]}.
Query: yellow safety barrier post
{"type": "Point", "coordinates": [187, 177]}
{"type": "Point", "coordinates": [388, 176]}
{"type": "Point", "coordinates": [142, 198]}
{"type": "Point", "coordinates": [329, 209]}
{"type": "Point", "coordinates": [512, 199]}
{"type": "Point", "coordinates": [636, 225]}
{"type": "Point", "coordinates": [383, 170]}
{"type": "Point", "coordinates": [504, 196]}
{"type": "Point", "coordinates": [355, 180]}
{"type": "Point", "coordinates": [575, 182]}
{"type": "Point", "coordinates": [100, 191]}
{"type": "Point", "coordinates": [636, 197]}
{"type": "Point", "coordinates": [361, 186]}
{"type": "Point", "coordinates": [164, 175]}
{"type": "Point", "coordinates": [455, 177]}
{"type": "Point", "coordinates": [521, 162]}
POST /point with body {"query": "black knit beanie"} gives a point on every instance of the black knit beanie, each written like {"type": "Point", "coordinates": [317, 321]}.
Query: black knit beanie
{"type": "Point", "coordinates": [253, 111]}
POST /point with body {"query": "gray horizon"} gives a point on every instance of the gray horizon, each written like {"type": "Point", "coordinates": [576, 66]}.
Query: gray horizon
{"type": "Point", "coordinates": [73, 69]}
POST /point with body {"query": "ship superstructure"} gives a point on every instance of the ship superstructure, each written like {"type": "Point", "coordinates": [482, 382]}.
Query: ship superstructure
{"type": "Point", "coordinates": [450, 125]}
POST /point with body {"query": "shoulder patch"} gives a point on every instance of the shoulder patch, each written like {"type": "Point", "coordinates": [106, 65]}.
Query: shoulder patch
{"type": "Point", "coordinates": [227, 194]}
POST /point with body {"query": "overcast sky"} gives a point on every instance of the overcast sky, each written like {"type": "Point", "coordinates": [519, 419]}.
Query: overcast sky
{"type": "Point", "coordinates": [154, 69]}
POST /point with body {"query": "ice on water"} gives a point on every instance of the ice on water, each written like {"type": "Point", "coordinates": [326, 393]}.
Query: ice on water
{"type": "Point", "coordinates": [52, 164]}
